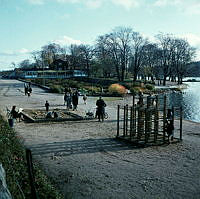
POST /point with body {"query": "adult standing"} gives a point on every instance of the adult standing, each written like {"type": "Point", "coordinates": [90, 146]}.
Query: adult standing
{"type": "Point", "coordinates": [100, 108]}
{"type": "Point", "coordinates": [65, 98]}
{"type": "Point", "coordinates": [75, 100]}
{"type": "Point", "coordinates": [69, 99]}
{"type": "Point", "coordinates": [47, 106]}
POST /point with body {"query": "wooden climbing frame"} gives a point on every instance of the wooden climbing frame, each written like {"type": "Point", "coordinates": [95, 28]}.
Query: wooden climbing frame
{"type": "Point", "coordinates": [144, 123]}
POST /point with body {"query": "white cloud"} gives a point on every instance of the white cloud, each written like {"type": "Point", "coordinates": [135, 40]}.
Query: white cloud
{"type": "Point", "coordinates": [127, 4]}
{"type": "Point", "coordinates": [160, 3]}
{"type": "Point", "coordinates": [186, 6]}
{"type": "Point", "coordinates": [68, 1]}
{"type": "Point", "coordinates": [24, 51]}
{"type": "Point", "coordinates": [94, 3]}
{"type": "Point", "coordinates": [193, 9]}
{"type": "Point", "coordinates": [14, 53]}
{"type": "Point", "coordinates": [36, 2]}
{"type": "Point", "coordinates": [65, 40]}
{"type": "Point", "coordinates": [193, 39]}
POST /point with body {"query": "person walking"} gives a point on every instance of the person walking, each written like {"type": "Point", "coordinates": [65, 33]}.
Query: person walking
{"type": "Point", "coordinates": [47, 106]}
{"type": "Point", "coordinates": [100, 109]}
{"type": "Point", "coordinates": [25, 88]}
{"type": "Point", "coordinates": [69, 99]}
{"type": "Point", "coordinates": [75, 100]}
{"type": "Point", "coordinates": [65, 98]}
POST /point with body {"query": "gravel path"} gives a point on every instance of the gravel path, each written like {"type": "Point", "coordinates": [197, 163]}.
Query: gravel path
{"type": "Point", "coordinates": [87, 162]}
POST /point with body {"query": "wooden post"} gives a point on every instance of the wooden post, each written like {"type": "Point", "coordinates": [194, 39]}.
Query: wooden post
{"type": "Point", "coordinates": [156, 120]}
{"type": "Point", "coordinates": [133, 99]}
{"type": "Point", "coordinates": [148, 118]}
{"type": "Point", "coordinates": [146, 125]}
{"type": "Point", "coordinates": [164, 117]}
{"type": "Point", "coordinates": [124, 122]}
{"type": "Point", "coordinates": [140, 127]}
{"type": "Point", "coordinates": [131, 123]}
{"type": "Point", "coordinates": [127, 119]}
{"type": "Point", "coordinates": [118, 110]}
{"type": "Point", "coordinates": [181, 122]}
{"type": "Point", "coordinates": [135, 120]}
{"type": "Point", "coordinates": [31, 174]}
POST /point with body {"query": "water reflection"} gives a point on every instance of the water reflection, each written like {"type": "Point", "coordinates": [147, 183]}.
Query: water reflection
{"type": "Point", "coordinates": [189, 99]}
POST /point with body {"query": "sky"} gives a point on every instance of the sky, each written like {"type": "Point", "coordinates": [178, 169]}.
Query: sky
{"type": "Point", "coordinates": [27, 25]}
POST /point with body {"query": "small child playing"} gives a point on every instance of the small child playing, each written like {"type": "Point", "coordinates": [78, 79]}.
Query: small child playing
{"type": "Point", "coordinates": [84, 98]}
{"type": "Point", "coordinates": [170, 129]}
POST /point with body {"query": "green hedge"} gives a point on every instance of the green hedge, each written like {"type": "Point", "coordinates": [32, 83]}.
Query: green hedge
{"type": "Point", "coordinates": [12, 157]}
{"type": "Point", "coordinates": [56, 89]}
{"type": "Point", "coordinates": [150, 87]}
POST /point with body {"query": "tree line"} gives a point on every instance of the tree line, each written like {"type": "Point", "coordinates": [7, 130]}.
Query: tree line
{"type": "Point", "coordinates": [122, 53]}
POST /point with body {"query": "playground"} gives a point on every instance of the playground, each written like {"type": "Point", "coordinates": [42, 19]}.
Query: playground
{"type": "Point", "coordinates": [85, 159]}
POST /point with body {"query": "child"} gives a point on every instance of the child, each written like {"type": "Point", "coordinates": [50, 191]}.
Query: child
{"type": "Point", "coordinates": [84, 98]}
{"type": "Point", "coordinates": [170, 129]}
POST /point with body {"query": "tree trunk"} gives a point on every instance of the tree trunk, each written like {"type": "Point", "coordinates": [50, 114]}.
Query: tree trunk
{"type": "Point", "coordinates": [164, 80]}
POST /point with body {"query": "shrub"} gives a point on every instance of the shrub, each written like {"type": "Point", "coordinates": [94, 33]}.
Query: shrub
{"type": "Point", "coordinates": [126, 85]}
{"type": "Point", "coordinates": [117, 89]}
{"type": "Point", "coordinates": [149, 87]}
{"type": "Point", "coordinates": [135, 90]}
{"type": "Point", "coordinates": [93, 89]}
{"type": "Point", "coordinates": [56, 89]}
{"type": "Point", "coordinates": [136, 84]}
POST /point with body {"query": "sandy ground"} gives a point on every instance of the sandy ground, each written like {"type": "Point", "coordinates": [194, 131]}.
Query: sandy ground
{"type": "Point", "coordinates": [87, 162]}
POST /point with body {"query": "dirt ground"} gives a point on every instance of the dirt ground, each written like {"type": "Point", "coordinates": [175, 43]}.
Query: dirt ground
{"type": "Point", "coordinates": [87, 162]}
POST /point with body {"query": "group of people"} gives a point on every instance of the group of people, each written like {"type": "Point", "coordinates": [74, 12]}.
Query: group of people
{"type": "Point", "coordinates": [27, 89]}
{"type": "Point", "coordinates": [71, 99]}
{"type": "Point", "coordinates": [14, 114]}
{"type": "Point", "coordinates": [50, 114]}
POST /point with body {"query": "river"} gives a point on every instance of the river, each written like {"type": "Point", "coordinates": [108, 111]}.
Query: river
{"type": "Point", "coordinates": [189, 99]}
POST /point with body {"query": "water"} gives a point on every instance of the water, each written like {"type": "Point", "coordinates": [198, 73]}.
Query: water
{"type": "Point", "coordinates": [189, 99]}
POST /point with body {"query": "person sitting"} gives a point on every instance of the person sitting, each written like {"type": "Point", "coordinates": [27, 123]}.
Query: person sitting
{"type": "Point", "coordinates": [16, 114]}
{"type": "Point", "coordinates": [49, 115]}
{"type": "Point", "coordinates": [55, 114]}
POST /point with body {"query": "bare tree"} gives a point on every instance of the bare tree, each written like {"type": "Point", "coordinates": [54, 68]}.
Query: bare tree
{"type": "Point", "coordinates": [116, 45]}
{"type": "Point", "coordinates": [166, 45]}
{"type": "Point", "coordinates": [182, 55]}
{"type": "Point", "coordinates": [151, 55]}
{"type": "Point", "coordinates": [86, 55]}
{"type": "Point", "coordinates": [137, 58]}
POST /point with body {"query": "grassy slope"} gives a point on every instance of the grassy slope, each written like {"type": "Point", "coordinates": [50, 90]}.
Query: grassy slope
{"type": "Point", "coordinates": [12, 157]}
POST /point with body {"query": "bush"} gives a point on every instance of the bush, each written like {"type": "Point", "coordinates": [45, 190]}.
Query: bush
{"type": "Point", "coordinates": [93, 89]}
{"type": "Point", "coordinates": [126, 85]}
{"type": "Point", "coordinates": [136, 84]}
{"type": "Point", "coordinates": [117, 89]}
{"type": "Point", "coordinates": [135, 90]}
{"type": "Point", "coordinates": [56, 89]}
{"type": "Point", "coordinates": [149, 87]}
